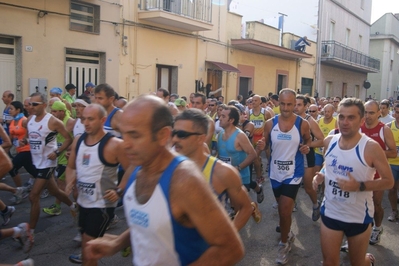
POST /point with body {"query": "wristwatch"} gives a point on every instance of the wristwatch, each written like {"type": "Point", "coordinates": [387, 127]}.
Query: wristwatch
{"type": "Point", "coordinates": [238, 168]}
{"type": "Point", "coordinates": [362, 186]}
{"type": "Point", "coordinates": [57, 152]}
{"type": "Point", "coordinates": [119, 191]}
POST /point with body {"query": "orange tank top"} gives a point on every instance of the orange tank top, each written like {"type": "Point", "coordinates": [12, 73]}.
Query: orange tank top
{"type": "Point", "coordinates": [18, 132]}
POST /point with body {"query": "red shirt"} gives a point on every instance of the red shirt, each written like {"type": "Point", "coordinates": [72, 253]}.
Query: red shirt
{"type": "Point", "coordinates": [377, 134]}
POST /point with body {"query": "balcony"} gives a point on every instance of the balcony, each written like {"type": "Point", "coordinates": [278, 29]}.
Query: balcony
{"type": "Point", "coordinates": [339, 55]}
{"type": "Point", "coordinates": [187, 15]}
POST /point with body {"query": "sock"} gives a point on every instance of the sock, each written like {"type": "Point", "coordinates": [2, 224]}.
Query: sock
{"type": "Point", "coordinates": [17, 232]}
{"type": "Point", "coordinates": [5, 210]}
{"type": "Point", "coordinates": [378, 228]}
{"type": "Point", "coordinates": [315, 206]}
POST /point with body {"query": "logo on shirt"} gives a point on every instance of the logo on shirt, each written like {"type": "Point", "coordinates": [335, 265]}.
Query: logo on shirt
{"type": "Point", "coordinates": [86, 159]}
{"type": "Point", "coordinates": [340, 169]}
{"type": "Point", "coordinates": [139, 218]}
{"type": "Point", "coordinates": [283, 136]}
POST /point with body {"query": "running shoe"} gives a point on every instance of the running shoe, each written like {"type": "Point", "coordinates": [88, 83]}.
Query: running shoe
{"type": "Point", "coordinates": [295, 209]}
{"type": "Point", "coordinates": [27, 262]}
{"type": "Point", "coordinates": [375, 237]}
{"type": "Point", "coordinates": [316, 213]}
{"type": "Point", "coordinates": [283, 250]}
{"type": "Point", "coordinates": [345, 247]}
{"type": "Point", "coordinates": [278, 229]}
{"type": "Point", "coordinates": [393, 217]}
{"type": "Point", "coordinates": [76, 259]}
{"type": "Point", "coordinates": [18, 196]}
{"type": "Point", "coordinates": [44, 194]}
{"type": "Point", "coordinates": [113, 222]}
{"type": "Point", "coordinates": [256, 214]}
{"type": "Point", "coordinates": [53, 210]}
{"type": "Point", "coordinates": [259, 195]}
{"type": "Point", "coordinates": [25, 237]}
{"type": "Point", "coordinates": [78, 238]}
{"type": "Point", "coordinates": [28, 186]}
{"type": "Point", "coordinates": [7, 216]}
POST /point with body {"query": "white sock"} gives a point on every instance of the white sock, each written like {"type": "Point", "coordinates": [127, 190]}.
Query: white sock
{"type": "Point", "coordinates": [17, 232]}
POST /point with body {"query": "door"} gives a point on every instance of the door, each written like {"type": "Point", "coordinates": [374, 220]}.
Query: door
{"type": "Point", "coordinates": [281, 82]}
{"type": "Point", "coordinates": [245, 85]}
{"type": "Point", "coordinates": [7, 66]}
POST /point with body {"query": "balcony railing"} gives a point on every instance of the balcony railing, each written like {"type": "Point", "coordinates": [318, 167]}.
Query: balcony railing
{"type": "Point", "coordinates": [335, 51]}
{"type": "Point", "coordinates": [195, 9]}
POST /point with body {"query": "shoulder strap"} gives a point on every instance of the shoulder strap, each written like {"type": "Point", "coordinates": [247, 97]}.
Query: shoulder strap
{"type": "Point", "coordinates": [81, 138]}
{"type": "Point", "coordinates": [101, 146]}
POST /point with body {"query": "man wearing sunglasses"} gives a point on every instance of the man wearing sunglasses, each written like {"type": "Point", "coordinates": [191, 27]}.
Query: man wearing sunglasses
{"type": "Point", "coordinates": [172, 214]}
{"type": "Point", "coordinates": [42, 129]}
{"type": "Point", "coordinates": [314, 112]}
{"type": "Point", "coordinates": [188, 135]}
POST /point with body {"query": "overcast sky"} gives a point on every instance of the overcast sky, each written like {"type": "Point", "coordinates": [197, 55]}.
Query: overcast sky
{"type": "Point", "coordinates": [380, 7]}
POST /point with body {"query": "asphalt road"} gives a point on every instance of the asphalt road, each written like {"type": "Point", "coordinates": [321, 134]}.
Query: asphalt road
{"type": "Point", "coordinates": [54, 236]}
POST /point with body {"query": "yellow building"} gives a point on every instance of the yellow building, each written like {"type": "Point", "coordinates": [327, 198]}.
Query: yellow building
{"type": "Point", "coordinates": [139, 46]}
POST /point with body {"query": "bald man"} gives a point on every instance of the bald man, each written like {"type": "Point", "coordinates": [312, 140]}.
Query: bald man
{"type": "Point", "coordinates": [171, 211]}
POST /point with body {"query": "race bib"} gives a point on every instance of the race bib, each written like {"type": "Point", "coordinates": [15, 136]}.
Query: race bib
{"type": "Point", "coordinates": [35, 146]}
{"type": "Point", "coordinates": [257, 123]}
{"type": "Point", "coordinates": [337, 194]}
{"type": "Point", "coordinates": [283, 166]}
{"type": "Point", "coordinates": [87, 191]}
{"type": "Point", "coordinates": [225, 159]}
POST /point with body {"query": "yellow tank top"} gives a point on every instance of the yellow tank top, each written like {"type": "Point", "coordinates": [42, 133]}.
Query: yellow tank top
{"type": "Point", "coordinates": [325, 128]}
{"type": "Point", "coordinates": [258, 121]}
{"type": "Point", "coordinates": [276, 110]}
{"type": "Point", "coordinates": [395, 131]}
{"type": "Point", "coordinates": [207, 169]}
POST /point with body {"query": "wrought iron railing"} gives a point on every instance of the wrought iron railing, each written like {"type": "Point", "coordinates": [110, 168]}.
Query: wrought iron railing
{"type": "Point", "coordinates": [339, 51]}
{"type": "Point", "coordinates": [195, 9]}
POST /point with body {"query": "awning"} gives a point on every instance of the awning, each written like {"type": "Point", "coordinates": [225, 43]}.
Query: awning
{"type": "Point", "coordinates": [223, 66]}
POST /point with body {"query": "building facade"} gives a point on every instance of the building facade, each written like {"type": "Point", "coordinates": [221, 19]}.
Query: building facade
{"type": "Point", "coordinates": [344, 28]}
{"type": "Point", "coordinates": [384, 45]}
{"type": "Point", "coordinates": [138, 46]}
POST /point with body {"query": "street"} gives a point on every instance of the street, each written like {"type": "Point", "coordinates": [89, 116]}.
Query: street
{"type": "Point", "coordinates": [54, 236]}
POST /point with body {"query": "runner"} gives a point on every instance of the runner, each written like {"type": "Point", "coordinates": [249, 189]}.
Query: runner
{"type": "Point", "coordinates": [196, 229]}
{"type": "Point", "coordinates": [289, 137]}
{"type": "Point", "coordinates": [347, 208]}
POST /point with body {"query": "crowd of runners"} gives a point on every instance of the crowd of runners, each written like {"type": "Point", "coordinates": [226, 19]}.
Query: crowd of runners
{"type": "Point", "coordinates": [182, 168]}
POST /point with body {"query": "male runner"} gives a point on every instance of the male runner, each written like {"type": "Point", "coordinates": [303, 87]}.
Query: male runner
{"type": "Point", "coordinates": [382, 134]}
{"type": "Point", "coordinates": [289, 137]}
{"type": "Point", "coordinates": [172, 214]}
{"type": "Point", "coordinates": [42, 129]}
{"type": "Point", "coordinates": [258, 116]}
{"type": "Point", "coordinates": [188, 135]}
{"type": "Point", "coordinates": [317, 141]}
{"type": "Point", "coordinates": [199, 102]}
{"type": "Point", "coordinates": [95, 155]}
{"type": "Point", "coordinates": [351, 159]}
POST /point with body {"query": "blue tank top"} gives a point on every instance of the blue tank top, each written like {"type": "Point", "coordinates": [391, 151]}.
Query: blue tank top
{"type": "Point", "coordinates": [173, 242]}
{"type": "Point", "coordinates": [228, 154]}
{"type": "Point", "coordinates": [107, 124]}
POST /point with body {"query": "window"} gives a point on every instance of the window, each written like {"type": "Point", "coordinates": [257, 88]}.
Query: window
{"type": "Point", "coordinates": [85, 17]}
{"type": "Point", "coordinates": [347, 35]}
{"type": "Point", "coordinates": [328, 88]}
{"type": "Point", "coordinates": [359, 47]}
{"type": "Point", "coordinates": [332, 30]}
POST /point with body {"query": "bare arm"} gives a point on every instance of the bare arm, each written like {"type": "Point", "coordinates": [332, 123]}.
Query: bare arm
{"type": "Point", "coordinates": [211, 130]}
{"type": "Point", "coordinates": [305, 131]}
{"type": "Point", "coordinates": [70, 171]}
{"type": "Point", "coordinates": [6, 140]}
{"type": "Point", "coordinates": [236, 192]}
{"type": "Point", "coordinates": [244, 143]}
{"type": "Point", "coordinates": [5, 162]}
{"type": "Point", "coordinates": [57, 125]}
{"type": "Point", "coordinates": [390, 144]}
{"type": "Point", "coordinates": [116, 120]}
{"type": "Point", "coordinates": [193, 204]}
{"type": "Point", "coordinates": [107, 246]}
{"type": "Point", "coordinates": [317, 133]}
{"type": "Point", "coordinates": [375, 157]}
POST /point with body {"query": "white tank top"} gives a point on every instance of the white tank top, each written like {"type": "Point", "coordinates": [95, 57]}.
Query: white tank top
{"type": "Point", "coordinates": [94, 174]}
{"type": "Point", "coordinates": [349, 207]}
{"type": "Point", "coordinates": [286, 161]}
{"type": "Point", "coordinates": [42, 142]}
{"type": "Point", "coordinates": [79, 128]}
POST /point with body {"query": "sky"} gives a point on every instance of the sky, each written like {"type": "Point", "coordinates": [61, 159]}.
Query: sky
{"type": "Point", "coordinates": [268, 10]}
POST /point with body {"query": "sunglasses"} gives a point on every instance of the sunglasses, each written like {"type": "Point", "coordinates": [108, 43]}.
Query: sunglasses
{"type": "Point", "coordinates": [336, 101]}
{"type": "Point", "coordinates": [181, 134]}
{"type": "Point", "coordinates": [211, 105]}
{"type": "Point", "coordinates": [35, 103]}
{"type": "Point", "coordinates": [312, 111]}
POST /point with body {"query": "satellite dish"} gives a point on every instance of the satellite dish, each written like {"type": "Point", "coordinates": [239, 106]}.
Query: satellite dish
{"type": "Point", "coordinates": [366, 84]}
